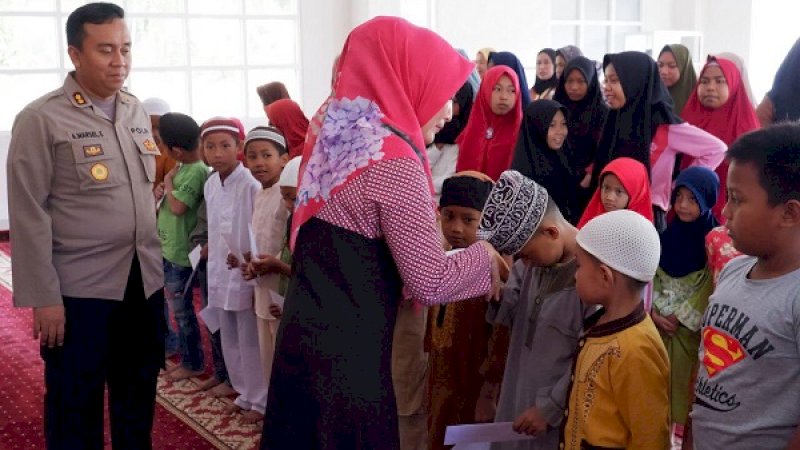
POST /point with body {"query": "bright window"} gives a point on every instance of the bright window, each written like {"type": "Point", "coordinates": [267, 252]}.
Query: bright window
{"type": "Point", "coordinates": [596, 26]}
{"type": "Point", "coordinates": [204, 57]}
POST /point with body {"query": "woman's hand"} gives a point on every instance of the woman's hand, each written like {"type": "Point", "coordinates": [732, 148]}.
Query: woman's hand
{"type": "Point", "coordinates": [500, 272]}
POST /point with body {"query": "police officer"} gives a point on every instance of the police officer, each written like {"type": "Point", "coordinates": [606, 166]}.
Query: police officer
{"type": "Point", "coordinates": [85, 251]}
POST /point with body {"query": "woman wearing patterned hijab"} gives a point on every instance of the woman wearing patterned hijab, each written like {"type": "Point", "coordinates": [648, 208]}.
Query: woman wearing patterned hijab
{"type": "Point", "coordinates": [364, 231]}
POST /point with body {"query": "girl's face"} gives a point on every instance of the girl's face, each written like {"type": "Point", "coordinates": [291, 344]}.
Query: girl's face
{"type": "Point", "coordinates": [544, 66]}
{"type": "Point", "coordinates": [685, 206]}
{"type": "Point", "coordinates": [557, 131]}
{"type": "Point", "coordinates": [712, 90]}
{"type": "Point", "coordinates": [576, 86]}
{"type": "Point", "coordinates": [481, 63]}
{"type": "Point", "coordinates": [560, 64]}
{"type": "Point", "coordinates": [612, 89]}
{"type": "Point", "coordinates": [668, 69]}
{"type": "Point", "coordinates": [504, 96]}
{"type": "Point", "coordinates": [613, 193]}
{"type": "Point", "coordinates": [264, 161]}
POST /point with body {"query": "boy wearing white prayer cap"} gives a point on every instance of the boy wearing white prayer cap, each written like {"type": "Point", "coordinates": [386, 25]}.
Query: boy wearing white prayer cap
{"type": "Point", "coordinates": [619, 396]}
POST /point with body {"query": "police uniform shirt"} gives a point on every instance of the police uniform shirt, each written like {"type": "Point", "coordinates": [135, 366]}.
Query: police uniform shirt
{"type": "Point", "coordinates": [80, 199]}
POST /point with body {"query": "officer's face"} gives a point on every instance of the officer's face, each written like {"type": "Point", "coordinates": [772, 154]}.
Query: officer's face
{"type": "Point", "coordinates": [103, 61]}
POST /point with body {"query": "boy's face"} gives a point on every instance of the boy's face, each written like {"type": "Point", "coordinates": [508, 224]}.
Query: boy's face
{"type": "Point", "coordinates": [590, 282]}
{"type": "Point", "coordinates": [460, 225]}
{"type": "Point", "coordinates": [750, 219]}
{"type": "Point", "coordinates": [220, 149]}
{"type": "Point", "coordinates": [544, 248]}
{"type": "Point", "coordinates": [265, 161]}
{"type": "Point", "coordinates": [289, 195]}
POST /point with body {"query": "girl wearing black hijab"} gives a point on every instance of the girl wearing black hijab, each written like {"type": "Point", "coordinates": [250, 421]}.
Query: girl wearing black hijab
{"type": "Point", "coordinates": [579, 91]}
{"type": "Point", "coordinates": [642, 125]}
{"type": "Point", "coordinates": [541, 154]}
{"type": "Point", "coordinates": [546, 78]}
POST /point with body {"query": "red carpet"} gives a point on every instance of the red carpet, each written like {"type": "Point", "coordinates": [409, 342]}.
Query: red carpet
{"type": "Point", "coordinates": [179, 423]}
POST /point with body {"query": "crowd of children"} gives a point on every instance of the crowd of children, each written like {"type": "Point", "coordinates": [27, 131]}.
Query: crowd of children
{"type": "Point", "coordinates": [627, 320]}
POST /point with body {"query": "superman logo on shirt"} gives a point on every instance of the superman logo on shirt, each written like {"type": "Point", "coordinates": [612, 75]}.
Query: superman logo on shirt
{"type": "Point", "coordinates": [721, 351]}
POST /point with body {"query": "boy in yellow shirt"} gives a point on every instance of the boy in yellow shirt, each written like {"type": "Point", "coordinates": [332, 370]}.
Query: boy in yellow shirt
{"type": "Point", "coordinates": [620, 378]}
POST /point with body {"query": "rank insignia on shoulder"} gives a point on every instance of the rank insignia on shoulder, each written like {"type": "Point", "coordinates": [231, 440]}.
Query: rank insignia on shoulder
{"type": "Point", "coordinates": [99, 172]}
{"type": "Point", "coordinates": [78, 97]}
{"type": "Point", "coordinates": [90, 151]}
{"type": "Point", "coordinates": [150, 146]}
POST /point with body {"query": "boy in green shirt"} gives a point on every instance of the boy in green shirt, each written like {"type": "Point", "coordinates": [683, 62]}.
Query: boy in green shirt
{"type": "Point", "coordinates": [177, 217]}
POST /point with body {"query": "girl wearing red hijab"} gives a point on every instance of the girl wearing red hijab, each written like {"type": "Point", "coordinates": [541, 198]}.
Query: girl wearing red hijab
{"type": "Point", "coordinates": [286, 116]}
{"type": "Point", "coordinates": [720, 105]}
{"type": "Point", "coordinates": [363, 231]}
{"type": "Point", "coordinates": [487, 143]}
{"type": "Point", "coordinates": [623, 184]}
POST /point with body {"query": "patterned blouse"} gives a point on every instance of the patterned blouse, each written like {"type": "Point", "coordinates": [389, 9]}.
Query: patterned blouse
{"type": "Point", "coordinates": [391, 199]}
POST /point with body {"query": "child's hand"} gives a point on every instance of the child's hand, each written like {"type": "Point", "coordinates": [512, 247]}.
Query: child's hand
{"type": "Point", "coordinates": [158, 191]}
{"type": "Point", "coordinates": [263, 264]}
{"type": "Point", "coordinates": [530, 422]}
{"type": "Point", "coordinates": [276, 311]}
{"type": "Point", "coordinates": [247, 272]}
{"type": "Point", "coordinates": [486, 407]}
{"type": "Point", "coordinates": [664, 324]}
{"type": "Point", "coordinates": [232, 261]}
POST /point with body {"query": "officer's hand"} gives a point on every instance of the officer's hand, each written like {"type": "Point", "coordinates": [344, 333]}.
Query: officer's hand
{"type": "Point", "coordinates": [48, 325]}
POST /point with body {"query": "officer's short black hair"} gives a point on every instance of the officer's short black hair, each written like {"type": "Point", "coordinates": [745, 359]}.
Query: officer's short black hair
{"type": "Point", "coordinates": [179, 130]}
{"type": "Point", "coordinates": [94, 13]}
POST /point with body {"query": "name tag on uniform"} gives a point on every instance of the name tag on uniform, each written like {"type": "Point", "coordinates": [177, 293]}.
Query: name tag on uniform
{"type": "Point", "coordinates": [90, 151]}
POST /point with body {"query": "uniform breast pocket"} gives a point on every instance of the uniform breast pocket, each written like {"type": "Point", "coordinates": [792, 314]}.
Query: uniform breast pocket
{"type": "Point", "coordinates": [148, 150]}
{"type": "Point", "coordinates": [94, 163]}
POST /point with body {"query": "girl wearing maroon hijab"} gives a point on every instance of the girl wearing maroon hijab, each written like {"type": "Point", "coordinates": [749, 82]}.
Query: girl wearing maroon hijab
{"type": "Point", "coordinates": [487, 143]}
{"type": "Point", "coordinates": [286, 116]}
{"type": "Point", "coordinates": [720, 105]}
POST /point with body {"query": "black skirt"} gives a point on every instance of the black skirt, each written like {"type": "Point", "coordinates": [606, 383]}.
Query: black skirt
{"type": "Point", "coordinates": [331, 383]}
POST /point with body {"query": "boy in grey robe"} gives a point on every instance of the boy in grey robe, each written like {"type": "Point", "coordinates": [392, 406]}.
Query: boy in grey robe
{"type": "Point", "coordinates": [540, 308]}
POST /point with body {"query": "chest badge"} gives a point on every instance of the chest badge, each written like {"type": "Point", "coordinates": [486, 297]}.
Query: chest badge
{"type": "Point", "coordinates": [99, 172]}
{"type": "Point", "coordinates": [91, 151]}
{"type": "Point", "coordinates": [150, 146]}
{"type": "Point", "coordinates": [78, 97]}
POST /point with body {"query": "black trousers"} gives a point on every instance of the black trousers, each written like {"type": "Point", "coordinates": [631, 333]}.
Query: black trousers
{"type": "Point", "coordinates": [106, 342]}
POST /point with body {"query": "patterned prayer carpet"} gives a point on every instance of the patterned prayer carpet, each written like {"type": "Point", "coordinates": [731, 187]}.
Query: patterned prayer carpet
{"type": "Point", "coordinates": [185, 418]}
